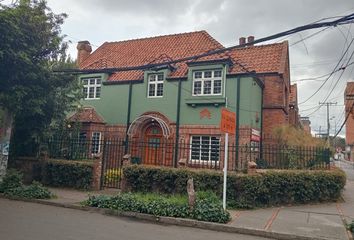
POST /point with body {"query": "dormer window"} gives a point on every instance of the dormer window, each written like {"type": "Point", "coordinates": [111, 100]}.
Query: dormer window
{"type": "Point", "coordinates": [92, 87]}
{"type": "Point", "coordinates": [208, 82]}
{"type": "Point", "coordinates": [155, 85]}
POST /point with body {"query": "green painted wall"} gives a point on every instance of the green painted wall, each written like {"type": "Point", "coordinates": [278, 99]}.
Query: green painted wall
{"type": "Point", "coordinates": [113, 104]}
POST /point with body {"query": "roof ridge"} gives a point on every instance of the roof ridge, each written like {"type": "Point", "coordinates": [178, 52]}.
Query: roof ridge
{"type": "Point", "coordinates": [160, 36]}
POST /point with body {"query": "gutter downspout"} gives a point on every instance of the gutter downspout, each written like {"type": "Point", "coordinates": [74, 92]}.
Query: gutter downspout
{"type": "Point", "coordinates": [128, 117]}
{"type": "Point", "coordinates": [261, 143]}
{"type": "Point", "coordinates": [238, 91]}
{"type": "Point", "coordinates": [177, 123]}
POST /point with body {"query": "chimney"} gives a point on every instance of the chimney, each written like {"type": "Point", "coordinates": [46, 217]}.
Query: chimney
{"type": "Point", "coordinates": [83, 51]}
{"type": "Point", "coordinates": [250, 39]}
{"type": "Point", "coordinates": [242, 40]}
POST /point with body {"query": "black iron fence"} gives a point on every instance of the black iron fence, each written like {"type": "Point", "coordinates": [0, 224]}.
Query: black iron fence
{"type": "Point", "coordinates": [198, 153]}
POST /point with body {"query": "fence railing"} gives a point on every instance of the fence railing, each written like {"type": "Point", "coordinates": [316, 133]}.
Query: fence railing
{"type": "Point", "coordinates": [207, 154]}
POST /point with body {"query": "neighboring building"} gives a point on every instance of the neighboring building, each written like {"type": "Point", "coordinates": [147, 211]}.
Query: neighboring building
{"type": "Point", "coordinates": [181, 102]}
{"type": "Point", "coordinates": [349, 125]}
{"type": "Point", "coordinates": [294, 118]}
{"type": "Point", "coordinates": [306, 124]}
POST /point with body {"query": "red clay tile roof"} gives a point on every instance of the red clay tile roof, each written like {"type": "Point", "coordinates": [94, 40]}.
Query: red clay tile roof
{"type": "Point", "coordinates": [270, 58]}
{"type": "Point", "coordinates": [148, 50]}
{"type": "Point", "coordinates": [260, 58]}
{"type": "Point", "coordinates": [86, 115]}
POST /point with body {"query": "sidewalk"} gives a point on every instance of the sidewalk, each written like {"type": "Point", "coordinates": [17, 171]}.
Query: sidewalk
{"type": "Point", "coordinates": [318, 221]}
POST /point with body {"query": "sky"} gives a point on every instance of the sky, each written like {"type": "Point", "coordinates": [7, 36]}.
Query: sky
{"type": "Point", "coordinates": [314, 56]}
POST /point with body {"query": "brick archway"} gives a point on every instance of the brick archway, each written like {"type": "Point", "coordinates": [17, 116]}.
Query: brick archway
{"type": "Point", "coordinates": [141, 123]}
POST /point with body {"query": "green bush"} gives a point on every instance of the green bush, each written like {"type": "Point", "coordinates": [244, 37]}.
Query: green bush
{"type": "Point", "coordinates": [12, 179]}
{"type": "Point", "coordinates": [243, 191]}
{"type": "Point", "coordinates": [13, 187]}
{"type": "Point", "coordinates": [33, 191]}
{"type": "Point", "coordinates": [65, 173]}
{"type": "Point", "coordinates": [351, 226]}
{"type": "Point", "coordinates": [207, 208]}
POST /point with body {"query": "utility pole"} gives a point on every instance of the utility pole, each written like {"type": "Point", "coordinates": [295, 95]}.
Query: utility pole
{"type": "Point", "coordinates": [328, 104]}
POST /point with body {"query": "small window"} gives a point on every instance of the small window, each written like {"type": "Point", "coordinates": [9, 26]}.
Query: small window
{"type": "Point", "coordinates": [155, 85]}
{"type": "Point", "coordinates": [205, 148]}
{"type": "Point", "coordinates": [96, 143]}
{"type": "Point", "coordinates": [91, 88]}
{"type": "Point", "coordinates": [207, 82]}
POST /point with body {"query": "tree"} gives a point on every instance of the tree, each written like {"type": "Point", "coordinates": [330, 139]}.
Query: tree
{"type": "Point", "coordinates": [31, 48]}
{"type": "Point", "coordinates": [290, 135]}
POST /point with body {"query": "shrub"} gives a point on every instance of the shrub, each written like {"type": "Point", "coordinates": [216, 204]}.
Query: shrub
{"type": "Point", "coordinates": [12, 179]}
{"type": "Point", "coordinates": [33, 191]}
{"type": "Point", "coordinates": [13, 187]}
{"type": "Point", "coordinates": [351, 226]}
{"type": "Point", "coordinates": [206, 208]}
{"type": "Point", "coordinates": [243, 191]}
{"type": "Point", "coordinates": [65, 173]}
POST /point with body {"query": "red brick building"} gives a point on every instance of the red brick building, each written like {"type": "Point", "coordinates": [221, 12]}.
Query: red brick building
{"type": "Point", "coordinates": [349, 126]}
{"type": "Point", "coordinates": [294, 118]}
{"type": "Point", "coordinates": [306, 124]}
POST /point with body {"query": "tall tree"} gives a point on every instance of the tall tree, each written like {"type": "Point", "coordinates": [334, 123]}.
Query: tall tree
{"type": "Point", "coordinates": [31, 48]}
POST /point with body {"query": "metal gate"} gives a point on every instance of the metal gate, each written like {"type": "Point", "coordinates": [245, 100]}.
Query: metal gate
{"type": "Point", "coordinates": [113, 152]}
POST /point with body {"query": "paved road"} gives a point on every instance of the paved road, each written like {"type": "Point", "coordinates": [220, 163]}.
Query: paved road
{"type": "Point", "coordinates": [348, 168]}
{"type": "Point", "coordinates": [26, 221]}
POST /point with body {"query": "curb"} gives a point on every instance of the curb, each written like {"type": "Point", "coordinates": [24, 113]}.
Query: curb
{"type": "Point", "coordinates": [175, 221]}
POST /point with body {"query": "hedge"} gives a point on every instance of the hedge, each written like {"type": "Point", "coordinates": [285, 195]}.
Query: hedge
{"type": "Point", "coordinates": [64, 173]}
{"type": "Point", "coordinates": [243, 191]}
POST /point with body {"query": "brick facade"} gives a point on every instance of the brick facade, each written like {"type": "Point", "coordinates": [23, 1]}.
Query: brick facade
{"type": "Point", "coordinates": [349, 126]}
{"type": "Point", "coordinates": [280, 105]}
{"type": "Point", "coordinates": [275, 102]}
{"type": "Point", "coordinates": [349, 101]}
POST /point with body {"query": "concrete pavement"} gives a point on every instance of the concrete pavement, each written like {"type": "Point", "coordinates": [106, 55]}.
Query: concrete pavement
{"type": "Point", "coordinates": [23, 221]}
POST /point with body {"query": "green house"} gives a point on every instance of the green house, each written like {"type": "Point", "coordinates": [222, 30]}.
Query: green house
{"type": "Point", "coordinates": [169, 112]}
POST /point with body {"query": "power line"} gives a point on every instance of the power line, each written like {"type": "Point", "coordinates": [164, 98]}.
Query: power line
{"type": "Point", "coordinates": [316, 78]}
{"type": "Point", "coordinates": [343, 55]}
{"type": "Point", "coordinates": [340, 21]}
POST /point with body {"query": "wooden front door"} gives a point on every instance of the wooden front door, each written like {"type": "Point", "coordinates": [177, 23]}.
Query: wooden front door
{"type": "Point", "coordinates": [153, 146]}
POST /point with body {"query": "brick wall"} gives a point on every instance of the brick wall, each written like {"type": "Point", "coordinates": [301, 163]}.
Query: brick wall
{"type": "Point", "coordinates": [349, 95]}
{"type": "Point", "coordinates": [275, 102]}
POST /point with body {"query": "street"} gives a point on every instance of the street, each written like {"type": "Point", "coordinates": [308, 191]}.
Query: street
{"type": "Point", "coordinates": [23, 221]}
{"type": "Point", "coordinates": [348, 168]}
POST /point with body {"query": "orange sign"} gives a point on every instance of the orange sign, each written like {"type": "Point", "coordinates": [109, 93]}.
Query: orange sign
{"type": "Point", "coordinates": [228, 121]}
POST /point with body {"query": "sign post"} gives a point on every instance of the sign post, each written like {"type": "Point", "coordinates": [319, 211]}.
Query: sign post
{"type": "Point", "coordinates": [227, 125]}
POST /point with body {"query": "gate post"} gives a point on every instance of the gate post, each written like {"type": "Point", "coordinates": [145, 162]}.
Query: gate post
{"type": "Point", "coordinates": [97, 173]}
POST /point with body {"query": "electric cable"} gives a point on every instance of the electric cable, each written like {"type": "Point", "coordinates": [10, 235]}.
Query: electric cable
{"type": "Point", "coordinates": [340, 21]}
{"type": "Point", "coordinates": [343, 55]}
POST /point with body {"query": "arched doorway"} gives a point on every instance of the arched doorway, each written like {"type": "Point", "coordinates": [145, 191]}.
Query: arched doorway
{"type": "Point", "coordinates": [153, 145]}
{"type": "Point", "coordinates": [150, 140]}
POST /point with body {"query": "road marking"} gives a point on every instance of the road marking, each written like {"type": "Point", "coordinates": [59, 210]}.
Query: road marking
{"type": "Point", "coordinates": [341, 214]}
{"type": "Point", "coordinates": [271, 219]}
{"type": "Point", "coordinates": [234, 216]}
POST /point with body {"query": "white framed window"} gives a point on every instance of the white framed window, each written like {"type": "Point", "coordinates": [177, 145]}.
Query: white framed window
{"type": "Point", "coordinates": [207, 82]}
{"type": "Point", "coordinates": [92, 87]}
{"type": "Point", "coordinates": [205, 149]}
{"type": "Point", "coordinates": [155, 85]}
{"type": "Point", "coordinates": [96, 143]}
